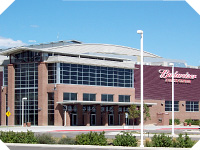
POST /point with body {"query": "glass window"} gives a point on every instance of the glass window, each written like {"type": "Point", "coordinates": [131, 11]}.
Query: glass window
{"type": "Point", "coordinates": [124, 98]}
{"type": "Point", "coordinates": [26, 85]}
{"type": "Point", "coordinates": [52, 73]}
{"type": "Point", "coordinates": [168, 105]}
{"type": "Point", "coordinates": [69, 96]}
{"type": "Point", "coordinates": [92, 75]}
{"type": "Point", "coordinates": [192, 106]}
{"type": "Point", "coordinates": [50, 108]}
{"type": "Point", "coordinates": [107, 97]}
{"type": "Point", "coordinates": [26, 56]}
{"type": "Point", "coordinates": [89, 97]}
{"type": "Point", "coordinates": [5, 75]}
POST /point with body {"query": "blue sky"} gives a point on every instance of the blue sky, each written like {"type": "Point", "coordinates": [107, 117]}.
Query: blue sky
{"type": "Point", "coordinates": [171, 29]}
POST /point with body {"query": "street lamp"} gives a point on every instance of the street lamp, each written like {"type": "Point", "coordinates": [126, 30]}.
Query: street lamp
{"type": "Point", "coordinates": [23, 99]}
{"type": "Point", "coordinates": [172, 64]}
{"type": "Point", "coordinates": [141, 82]}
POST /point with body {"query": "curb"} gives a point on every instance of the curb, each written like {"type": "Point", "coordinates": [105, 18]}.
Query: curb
{"type": "Point", "coordinates": [92, 147]}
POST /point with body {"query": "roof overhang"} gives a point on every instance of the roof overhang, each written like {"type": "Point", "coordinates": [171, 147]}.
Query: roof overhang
{"type": "Point", "coordinates": [86, 61]}
{"type": "Point", "coordinates": [103, 103]}
{"type": "Point", "coordinates": [81, 49]}
{"type": "Point", "coordinates": [14, 50]}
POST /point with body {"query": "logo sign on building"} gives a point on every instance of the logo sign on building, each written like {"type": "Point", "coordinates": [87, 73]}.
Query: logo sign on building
{"type": "Point", "coordinates": [178, 77]}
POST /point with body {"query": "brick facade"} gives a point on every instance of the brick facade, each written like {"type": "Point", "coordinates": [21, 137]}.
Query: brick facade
{"type": "Point", "coordinates": [156, 90]}
{"type": "Point", "coordinates": [42, 95]}
{"type": "Point", "coordinates": [1, 84]}
{"type": "Point", "coordinates": [11, 93]}
{"type": "Point", "coordinates": [80, 89]}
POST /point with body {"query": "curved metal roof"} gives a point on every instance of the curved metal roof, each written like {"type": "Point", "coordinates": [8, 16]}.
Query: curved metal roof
{"type": "Point", "coordinates": [83, 49]}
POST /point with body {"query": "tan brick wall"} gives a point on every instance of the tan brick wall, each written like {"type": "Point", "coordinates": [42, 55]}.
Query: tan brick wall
{"type": "Point", "coordinates": [3, 105]}
{"type": "Point", "coordinates": [68, 118]}
{"type": "Point", "coordinates": [58, 109]}
{"type": "Point", "coordinates": [160, 108]}
{"type": "Point", "coordinates": [182, 114]}
{"type": "Point", "coordinates": [42, 94]}
{"type": "Point", "coordinates": [11, 93]}
{"type": "Point", "coordinates": [80, 89]}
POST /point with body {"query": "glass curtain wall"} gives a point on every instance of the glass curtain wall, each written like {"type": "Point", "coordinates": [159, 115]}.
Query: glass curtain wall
{"type": "Point", "coordinates": [26, 85]}
{"type": "Point", "coordinates": [5, 76]}
{"type": "Point", "coordinates": [91, 75]}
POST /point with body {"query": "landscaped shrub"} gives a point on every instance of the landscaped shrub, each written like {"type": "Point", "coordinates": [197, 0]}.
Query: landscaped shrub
{"type": "Point", "coordinates": [184, 141]}
{"type": "Point", "coordinates": [176, 121]}
{"type": "Point", "coordinates": [148, 142]}
{"type": "Point", "coordinates": [91, 138]}
{"type": "Point", "coordinates": [188, 121]}
{"type": "Point", "coordinates": [193, 122]}
{"type": "Point", "coordinates": [45, 139]}
{"type": "Point", "coordinates": [166, 141]}
{"type": "Point", "coordinates": [161, 140]}
{"type": "Point", "coordinates": [66, 140]}
{"type": "Point", "coordinates": [188, 142]}
{"type": "Point", "coordinates": [18, 137]}
{"type": "Point", "coordinates": [179, 141]}
{"type": "Point", "coordinates": [125, 139]}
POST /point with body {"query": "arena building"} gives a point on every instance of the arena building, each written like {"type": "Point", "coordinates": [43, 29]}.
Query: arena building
{"type": "Point", "coordinates": [71, 83]}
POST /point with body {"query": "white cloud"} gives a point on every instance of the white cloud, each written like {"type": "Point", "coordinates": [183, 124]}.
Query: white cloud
{"type": "Point", "coordinates": [8, 42]}
{"type": "Point", "coordinates": [32, 41]}
{"type": "Point", "coordinates": [34, 26]}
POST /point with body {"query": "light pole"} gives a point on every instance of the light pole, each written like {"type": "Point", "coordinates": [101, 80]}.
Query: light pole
{"type": "Point", "coordinates": [141, 82]}
{"type": "Point", "coordinates": [172, 64]}
{"type": "Point", "coordinates": [23, 99]}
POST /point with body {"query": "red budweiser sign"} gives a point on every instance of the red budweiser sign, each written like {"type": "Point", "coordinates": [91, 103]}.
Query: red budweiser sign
{"type": "Point", "coordinates": [180, 78]}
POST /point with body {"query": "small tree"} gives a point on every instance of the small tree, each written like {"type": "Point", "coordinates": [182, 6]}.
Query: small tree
{"type": "Point", "coordinates": [146, 113]}
{"type": "Point", "coordinates": [134, 112]}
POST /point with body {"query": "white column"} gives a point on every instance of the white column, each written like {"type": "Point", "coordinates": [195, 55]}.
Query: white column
{"type": "Point", "coordinates": [23, 99]}
{"type": "Point", "coordinates": [22, 112]}
{"type": "Point", "coordinates": [58, 73]}
{"type": "Point", "coordinates": [65, 118]}
{"type": "Point", "coordinates": [173, 100]}
{"type": "Point", "coordinates": [141, 80]}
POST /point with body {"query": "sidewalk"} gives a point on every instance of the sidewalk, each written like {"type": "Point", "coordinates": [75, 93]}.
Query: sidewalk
{"type": "Point", "coordinates": [94, 128]}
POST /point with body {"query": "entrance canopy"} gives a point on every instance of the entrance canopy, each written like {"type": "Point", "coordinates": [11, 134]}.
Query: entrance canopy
{"type": "Point", "coordinates": [103, 103]}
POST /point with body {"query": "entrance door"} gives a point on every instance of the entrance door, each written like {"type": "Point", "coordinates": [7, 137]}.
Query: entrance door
{"type": "Point", "coordinates": [93, 119]}
{"type": "Point", "coordinates": [111, 119]}
{"type": "Point", "coordinates": [74, 119]}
